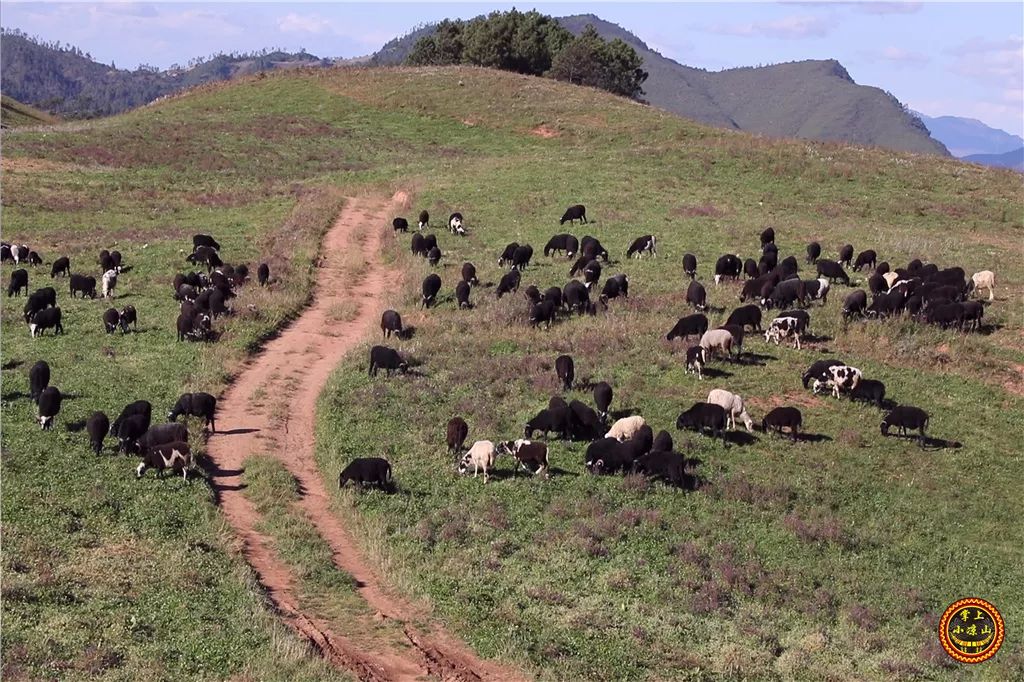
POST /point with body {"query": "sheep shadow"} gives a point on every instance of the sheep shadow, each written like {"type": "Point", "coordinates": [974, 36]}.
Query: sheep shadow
{"type": "Point", "coordinates": [558, 472]}
{"type": "Point", "coordinates": [235, 432]}
{"type": "Point", "coordinates": [812, 338]}
{"type": "Point", "coordinates": [406, 334]}
{"type": "Point", "coordinates": [11, 396]}
{"type": "Point", "coordinates": [713, 373]}
{"type": "Point", "coordinates": [754, 359]}
{"type": "Point", "coordinates": [13, 364]}
{"type": "Point", "coordinates": [930, 443]}
{"type": "Point", "coordinates": [988, 329]}
{"type": "Point", "coordinates": [740, 438]}
{"type": "Point", "coordinates": [75, 427]}
{"type": "Point", "coordinates": [813, 438]}
{"type": "Point", "coordinates": [624, 412]}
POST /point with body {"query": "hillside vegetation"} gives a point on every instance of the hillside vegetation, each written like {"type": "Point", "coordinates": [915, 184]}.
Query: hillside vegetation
{"type": "Point", "coordinates": [13, 114]}
{"type": "Point", "coordinates": [829, 558]}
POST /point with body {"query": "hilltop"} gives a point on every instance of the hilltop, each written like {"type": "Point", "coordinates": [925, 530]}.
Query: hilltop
{"type": "Point", "coordinates": [798, 560]}
{"type": "Point", "coordinates": [815, 100]}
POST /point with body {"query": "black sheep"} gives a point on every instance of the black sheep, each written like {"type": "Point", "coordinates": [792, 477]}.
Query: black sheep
{"type": "Point", "coordinates": [61, 266]}
{"type": "Point", "coordinates": [573, 213]}
{"type": "Point", "coordinates": [703, 416]}
{"type": "Point", "coordinates": [38, 379]}
{"type": "Point", "coordinates": [768, 236]}
{"type": "Point", "coordinates": [462, 294]}
{"type": "Point", "coordinates": [614, 287]}
{"type": "Point", "coordinates": [418, 245]}
{"type": "Point", "coordinates": [603, 398]}
{"type": "Point", "coordinates": [813, 252]}
{"type": "Point", "coordinates": [197, 405]}
{"type": "Point", "coordinates": [455, 434]}
{"type": "Point", "coordinates": [129, 431]}
{"type": "Point", "coordinates": [111, 318]}
{"type": "Point", "coordinates": [81, 284]}
{"type": "Point", "coordinates": [521, 257]}
{"type": "Point", "coordinates": [576, 298]}
{"type": "Point", "coordinates": [877, 285]}
{"type": "Point", "coordinates": [553, 294]}
{"type": "Point", "coordinates": [139, 408]}
{"type": "Point", "coordinates": [97, 426]}
{"type": "Point", "coordinates": [591, 273]}
{"type": "Point", "coordinates": [543, 312]}
{"type": "Point", "coordinates": [865, 259]}
{"type": "Point", "coordinates": [832, 271]}
{"type": "Point", "coordinates": [391, 323]}
{"type": "Point", "coordinates": [50, 318]}
{"type": "Point", "coordinates": [690, 265]}
{"type": "Point", "coordinates": [783, 417]}
{"type": "Point", "coordinates": [19, 281]}
{"type": "Point", "coordinates": [663, 442]}
{"type": "Point", "coordinates": [592, 248]}
{"type": "Point", "coordinates": [509, 283]}
{"type": "Point", "coordinates": [434, 256]}
{"type": "Point", "coordinates": [748, 315]}
{"type": "Point", "coordinates": [663, 464]}
{"type": "Point", "coordinates": [548, 421]}
{"type": "Point", "coordinates": [400, 225]}
{"type": "Point", "coordinates": [641, 245]}
{"type": "Point", "coordinates": [584, 422]}
{"type": "Point", "coordinates": [424, 219]}
{"type": "Point", "coordinates": [506, 255]}
{"type": "Point", "coordinates": [49, 406]}
{"type": "Point", "coordinates": [388, 359]}
{"type": "Point", "coordinates": [846, 255]}
{"type": "Point", "coordinates": [263, 274]}
{"type": "Point", "coordinates": [562, 242]}
{"type": "Point", "coordinates": [431, 285]}
{"type": "Point", "coordinates": [819, 370]}
{"type": "Point", "coordinates": [695, 324]}
{"type": "Point", "coordinates": [750, 269]}
{"type": "Point", "coordinates": [204, 240]}
{"type": "Point", "coordinates": [375, 471]}
{"type": "Point", "coordinates": [173, 455]}
{"type": "Point", "coordinates": [565, 368]}
{"type": "Point", "coordinates": [162, 434]}
{"type": "Point", "coordinates": [869, 391]}
{"type": "Point", "coordinates": [129, 317]}
{"type": "Point", "coordinates": [469, 274]}
{"type": "Point", "coordinates": [429, 242]}
{"type": "Point", "coordinates": [533, 295]}
{"type": "Point", "coordinates": [855, 303]}
{"type": "Point", "coordinates": [906, 418]}
{"type": "Point", "coordinates": [696, 295]}
{"type": "Point", "coordinates": [728, 266]}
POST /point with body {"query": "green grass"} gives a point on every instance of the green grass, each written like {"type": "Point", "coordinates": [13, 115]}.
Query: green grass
{"type": "Point", "coordinates": [828, 559]}
{"type": "Point", "coordinates": [15, 114]}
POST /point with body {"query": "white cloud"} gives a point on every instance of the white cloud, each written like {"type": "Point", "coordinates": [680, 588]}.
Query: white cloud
{"type": "Point", "coordinates": [794, 27]}
{"type": "Point", "coordinates": [995, 61]}
{"type": "Point", "coordinates": [889, 7]}
{"type": "Point", "coordinates": [304, 23]}
{"type": "Point", "coordinates": [899, 56]}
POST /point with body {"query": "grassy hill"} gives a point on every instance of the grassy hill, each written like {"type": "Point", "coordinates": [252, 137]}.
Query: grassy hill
{"type": "Point", "coordinates": [15, 114]}
{"type": "Point", "coordinates": [830, 558]}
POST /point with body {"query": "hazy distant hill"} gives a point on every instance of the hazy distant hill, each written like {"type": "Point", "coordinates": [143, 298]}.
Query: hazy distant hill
{"type": "Point", "coordinates": [968, 136]}
{"type": "Point", "coordinates": [64, 80]}
{"type": "Point", "coordinates": [1013, 159]}
{"type": "Point", "coordinates": [810, 99]}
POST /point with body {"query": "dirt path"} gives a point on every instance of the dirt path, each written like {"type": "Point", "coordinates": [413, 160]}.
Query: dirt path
{"type": "Point", "coordinates": [291, 372]}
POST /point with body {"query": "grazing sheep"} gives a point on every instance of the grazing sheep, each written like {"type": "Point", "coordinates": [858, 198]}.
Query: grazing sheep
{"type": "Point", "coordinates": [813, 252]}
{"type": "Point", "coordinates": [565, 369]}
{"type": "Point", "coordinates": [591, 247]}
{"type": "Point", "coordinates": [204, 240]}
{"type": "Point", "coordinates": [855, 303]}
{"type": "Point", "coordinates": [614, 287]}
{"type": "Point", "coordinates": [434, 256]}
{"type": "Point", "coordinates": [728, 266]}
{"type": "Point", "coordinates": [533, 457]}
{"type": "Point", "coordinates": [424, 219]}
{"type": "Point", "coordinates": [61, 266]}
{"type": "Point", "coordinates": [733, 406]}
{"type": "Point", "coordinates": [641, 245]}
{"type": "Point", "coordinates": [391, 323]}
{"type": "Point", "coordinates": [196, 405]}
{"type": "Point", "coordinates": [839, 378]}
{"type": "Point", "coordinates": [543, 312]}
{"type": "Point", "coordinates": [816, 290]}
{"type": "Point", "coordinates": [697, 296]}
{"type": "Point", "coordinates": [746, 315]}
{"type": "Point", "coordinates": [716, 340]}
{"type": "Point", "coordinates": [865, 259]}
{"type": "Point", "coordinates": [625, 428]}
{"type": "Point", "coordinates": [603, 398]}
{"type": "Point", "coordinates": [906, 418]}
{"type": "Point", "coordinates": [521, 257]}
{"type": "Point", "coordinates": [576, 298]}
{"type": "Point", "coordinates": [832, 270]}
{"type": "Point", "coordinates": [509, 283]}
{"type": "Point", "coordinates": [263, 274]}
{"type": "Point", "coordinates": [703, 416]}
{"type": "Point", "coordinates": [469, 274]}
{"type": "Point", "coordinates": [845, 255]}
{"type": "Point", "coordinates": [111, 318]}
{"type": "Point", "coordinates": [695, 324]}
{"type": "Point", "coordinates": [783, 418]}
{"type": "Point", "coordinates": [562, 242]}
{"type": "Point", "coordinates": [456, 433]}
{"type": "Point", "coordinates": [986, 279]}
{"type": "Point", "coordinates": [375, 471]}
{"type": "Point", "coordinates": [431, 285]}
{"type": "Point", "coordinates": [549, 421]}
{"type": "Point", "coordinates": [82, 284]}
{"type": "Point", "coordinates": [819, 370]}
{"type": "Point", "coordinates": [129, 317]}
{"type": "Point", "coordinates": [176, 456]}
{"type": "Point", "coordinates": [767, 237]}
{"type": "Point", "coordinates": [462, 295]}
{"type": "Point", "coordinates": [665, 465]}
{"type": "Point", "coordinates": [480, 456]}
{"type": "Point", "coordinates": [690, 265]}
{"type": "Point", "coordinates": [388, 359]}
{"type": "Point", "coordinates": [97, 426]}
{"type": "Point", "coordinates": [591, 273]}
{"type": "Point", "coordinates": [696, 358]}
{"type": "Point", "coordinates": [803, 319]}
{"type": "Point", "coordinates": [533, 295]}
{"type": "Point", "coordinates": [38, 379]}
{"type": "Point", "coordinates": [19, 281]}
{"type": "Point", "coordinates": [663, 441]}
{"type": "Point", "coordinates": [869, 391]}
{"type": "Point", "coordinates": [506, 255]}
{"type": "Point", "coordinates": [783, 328]}
{"type": "Point", "coordinates": [573, 213]}
{"type": "Point", "coordinates": [400, 225]}
{"type": "Point", "coordinates": [455, 224]}
{"type": "Point", "coordinates": [50, 318]}
{"type": "Point", "coordinates": [49, 406]}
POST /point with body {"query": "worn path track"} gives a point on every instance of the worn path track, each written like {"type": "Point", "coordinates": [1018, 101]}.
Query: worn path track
{"type": "Point", "coordinates": [292, 370]}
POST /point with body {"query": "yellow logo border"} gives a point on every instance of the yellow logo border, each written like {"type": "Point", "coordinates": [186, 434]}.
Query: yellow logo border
{"type": "Point", "coordinates": [997, 636]}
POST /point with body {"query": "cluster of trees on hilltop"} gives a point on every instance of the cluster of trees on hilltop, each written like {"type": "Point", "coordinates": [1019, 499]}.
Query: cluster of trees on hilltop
{"type": "Point", "coordinates": [536, 44]}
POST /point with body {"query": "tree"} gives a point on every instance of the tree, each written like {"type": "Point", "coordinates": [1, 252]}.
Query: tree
{"type": "Point", "coordinates": [589, 60]}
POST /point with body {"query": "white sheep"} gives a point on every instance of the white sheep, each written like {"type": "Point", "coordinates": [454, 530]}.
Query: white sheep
{"type": "Point", "coordinates": [109, 282]}
{"type": "Point", "coordinates": [625, 428]}
{"type": "Point", "coordinates": [890, 278]}
{"type": "Point", "coordinates": [986, 279]}
{"type": "Point", "coordinates": [717, 340]}
{"type": "Point", "coordinates": [733, 406]}
{"type": "Point", "coordinates": [480, 456]}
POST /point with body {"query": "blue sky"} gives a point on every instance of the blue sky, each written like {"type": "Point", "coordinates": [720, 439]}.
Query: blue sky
{"type": "Point", "coordinates": [962, 59]}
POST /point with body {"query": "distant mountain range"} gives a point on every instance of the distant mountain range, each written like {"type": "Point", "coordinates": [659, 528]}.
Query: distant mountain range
{"type": "Point", "coordinates": [968, 136]}
{"type": "Point", "coordinates": [809, 99]}
{"type": "Point", "coordinates": [1013, 159]}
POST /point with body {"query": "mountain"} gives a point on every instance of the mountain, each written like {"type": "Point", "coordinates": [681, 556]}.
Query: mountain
{"type": "Point", "coordinates": [809, 99]}
{"type": "Point", "coordinates": [968, 136]}
{"type": "Point", "coordinates": [1013, 159]}
{"type": "Point", "coordinates": [64, 80]}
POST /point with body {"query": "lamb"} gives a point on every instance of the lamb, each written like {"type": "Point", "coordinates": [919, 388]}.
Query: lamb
{"type": "Point", "coordinates": [783, 417]}
{"type": "Point", "coordinates": [480, 456]}
{"type": "Point", "coordinates": [906, 418]}
{"type": "Point", "coordinates": [733, 406]}
{"type": "Point", "coordinates": [986, 279]}
{"type": "Point", "coordinates": [696, 358]}
{"type": "Point", "coordinates": [626, 428]}
{"type": "Point", "coordinates": [695, 324]}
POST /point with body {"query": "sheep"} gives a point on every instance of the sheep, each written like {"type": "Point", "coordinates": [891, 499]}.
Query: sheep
{"type": "Point", "coordinates": [480, 456]}
{"type": "Point", "coordinates": [746, 315]}
{"type": "Point", "coordinates": [548, 421]}
{"type": "Point", "coordinates": [543, 312]}
{"type": "Point", "coordinates": [176, 456]}
{"type": "Point", "coordinates": [783, 417]}
{"type": "Point", "coordinates": [591, 247]}
{"type": "Point", "coordinates": [870, 391]}
{"type": "Point", "coordinates": [61, 266]}
{"type": "Point", "coordinates": [362, 471]}
{"type": "Point", "coordinates": [696, 358]}
{"type": "Point", "coordinates": [97, 426]}
{"type": "Point", "coordinates": [565, 369]}
{"type": "Point", "coordinates": [49, 318]}
{"type": "Point", "coordinates": [728, 266]}
{"type": "Point", "coordinates": [782, 328]}
{"type": "Point", "coordinates": [663, 441]}
{"type": "Point", "coordinates": [388, 359]}
{"type": "Point", "coordinates": [455, 224]}
{"type": "Point", "coordinates": [424, 219]}
{"type": "Point", "coordinates": [263, 274]}
{"type": "Point", "coordinates": [690, 265]}
{"type": "Point", "coordinates": [591, 273]}
{"type": "Point", "coordinates": [865, 259]}
{"type": "Point", "coordinates": [456, 433]}
{"type": "Point", "coordinates": [803, 319]}
{"type": "Point", "coordinates": [562, 242]}
{"type": "Point", "coordinates": [469, 274]}
{"type": "Point", "coordinates": [576, 297]}
{"type": "Point", "coordinates": [819, 371]}
{"type": "Point", "coordinates": [813, 252]}
{"type": "Point", "coordinates": [400, 225]}
{"type": "Point", "coordinates": [839, 378]}
{"type": "Point", "coordinates": [833, 271]}
{"type": "Point", "coordinates": [521, 256]}
{"type": "Point", "coordinates": [625, 428]}
{"type": "Point", "coordinates": [906, 418]}
{"type": "Point", "coordinates": [855, 303]}
{"type": "Point", "coordinates": [509, 283]}
{"type": "Point", "coordinates": [986, 279]}
{"type": "Point", "coordinates": [696, 295]}
{"type": "Point", "coordinates": [767, 237]}
{"type": "Point", "coordinates": [196, 405]}
{"type": "Point", "coordinates": [111, 319]}
{"type": "Point", "coordinates": [703, 416]}
{"type": "Point", "coordinates": [845, 255]}
{"type": "Point", "coordinates": [434, 256]}
{"type": "Point", "coordinates": [19, 281]}
{"type": "Point", "coordinates": [603, 398]}
{"type": "Point", "coordinates": [50, 399]}
{"type": "Point", "coordinates": [583, 421]}
{"type": "Point", "coordinates": [716, 340]}
{"type": "Point", "coordinates": [613, 288]}
{"type": "Point", "coordinates": [129, 317]}
{"type": "Point", "coordinates": [573, 213]}
{"type": "Point", "coordinates": [817, 290]}
{"type": "Point", "coordinates": [462, 295]}
{"type": "Point", "coordinates": [38, 379]}
{"type": "Point", "coordinates": [733, 406]}
{"type": "Point", "coordinates": [695, 324]}
{"type": "Point", "coordinates": [528, 454]}
{"type": "Point", "coordinates": [533, 295]}
{"type": "Point", "coordinates": [506, 255]}
{"type": "Point", "coordinates": [640, 245]}
{"type": "Point", "coordinates": [431, 285]}
{"type": "Point", "coordinates": [391, 323]}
